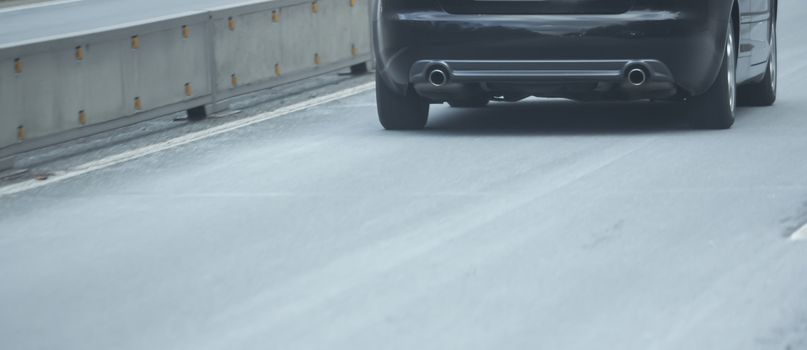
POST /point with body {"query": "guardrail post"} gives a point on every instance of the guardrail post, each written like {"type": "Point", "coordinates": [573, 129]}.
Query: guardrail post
{"type": "Point", "coordinates": [213, 79]}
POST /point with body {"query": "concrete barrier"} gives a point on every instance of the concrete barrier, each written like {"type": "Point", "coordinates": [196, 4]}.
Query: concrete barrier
{"type": "Point", "coordinates": [57, 90]}
{"type": "Point", "coordinates": [10, 3]}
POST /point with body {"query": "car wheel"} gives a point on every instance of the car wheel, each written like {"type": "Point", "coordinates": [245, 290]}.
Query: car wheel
{"type": "Point", "coordinates": [715, 108]}
{"type": "Point", "coordinates": [469, 103]}
{"type": "Point", "coordinates": [397, 112]}
{"type": "Point", "coordinates": [763, 93]}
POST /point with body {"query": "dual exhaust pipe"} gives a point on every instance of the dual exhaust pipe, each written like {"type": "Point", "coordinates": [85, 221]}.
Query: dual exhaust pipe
{"type": "Point", "coordinates": [637, 76]}
{"type": "Point", "coordinates": [438, 76]}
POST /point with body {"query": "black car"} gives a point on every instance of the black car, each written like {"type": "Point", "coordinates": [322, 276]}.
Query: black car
{"type": "Point", "coordinates": [709, 54]}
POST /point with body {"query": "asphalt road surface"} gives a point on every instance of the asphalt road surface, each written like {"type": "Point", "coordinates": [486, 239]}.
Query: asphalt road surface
{"type": "Point", "coordinates": [44, 20]}
{"type": "Point", "coordinates": [538, 225]}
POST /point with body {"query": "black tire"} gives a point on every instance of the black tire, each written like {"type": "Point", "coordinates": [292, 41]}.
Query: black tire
{"type": "Point", "coordinates": [715, 108]}
{"type": "Point", "coordinates": [763, 93]}
{"type": "Point", "coordinates": [477, 102]}
{"type": "Point", "coordinates": [396, 112]}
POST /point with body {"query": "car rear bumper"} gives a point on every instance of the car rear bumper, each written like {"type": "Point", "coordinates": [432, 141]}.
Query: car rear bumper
{"type": "Point", "coordinates": [580, 79]}
{"type": "Point", "coordinates": [682, 50]}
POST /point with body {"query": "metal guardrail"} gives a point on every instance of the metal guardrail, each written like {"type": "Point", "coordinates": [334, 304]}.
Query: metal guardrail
{"type": "Point", "coordinates": [71, 87]}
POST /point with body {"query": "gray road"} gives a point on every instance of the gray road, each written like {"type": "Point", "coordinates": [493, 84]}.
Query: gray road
{"type": "Point", "coordinates": [46, 20]}
{"type": "Point", "coordinates": [540, 225]}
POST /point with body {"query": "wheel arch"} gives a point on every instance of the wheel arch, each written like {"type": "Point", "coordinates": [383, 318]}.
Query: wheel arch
{"type": "Point", "coordinates": [735, 23]}
{"type": "Point", "coordinates": [726, 11]}
{"type": "Point", "coordinates": [775, 10]}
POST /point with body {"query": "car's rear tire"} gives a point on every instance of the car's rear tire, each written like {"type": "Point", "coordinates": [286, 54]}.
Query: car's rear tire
{"type": "Point", "coordinates": [397, 112]}
{"type": "Point", "coordinates": [763, 93]}
{"type": "Point", "coordinates": [715, 108]}
{"type": "Point", "coordinates": [474, 102]}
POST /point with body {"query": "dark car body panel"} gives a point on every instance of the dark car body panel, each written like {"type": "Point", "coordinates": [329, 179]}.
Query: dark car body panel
{"type": "Point", "coordinates": [686, 36]}
{"type": "Point", "coordinates": [579, 79]}
{"type": "Point", "coordinates": [521, 7]}
{"type": "Point", "coordinates": [754, 33]}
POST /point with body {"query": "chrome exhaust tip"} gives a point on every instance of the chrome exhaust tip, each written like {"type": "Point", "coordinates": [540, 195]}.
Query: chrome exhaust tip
{"type": "Point", "coordinates": [637, 76]}
{"type": "Point", "coordinates": [438, 77]}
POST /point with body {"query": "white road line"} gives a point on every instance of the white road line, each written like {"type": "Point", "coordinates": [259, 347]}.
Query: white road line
{"type": "Point", "coordinates": [800, 234]}
{"type": "Point", "coordinates": [182, 140]}
{"type": "Point", "coordinates": [33, 6]}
